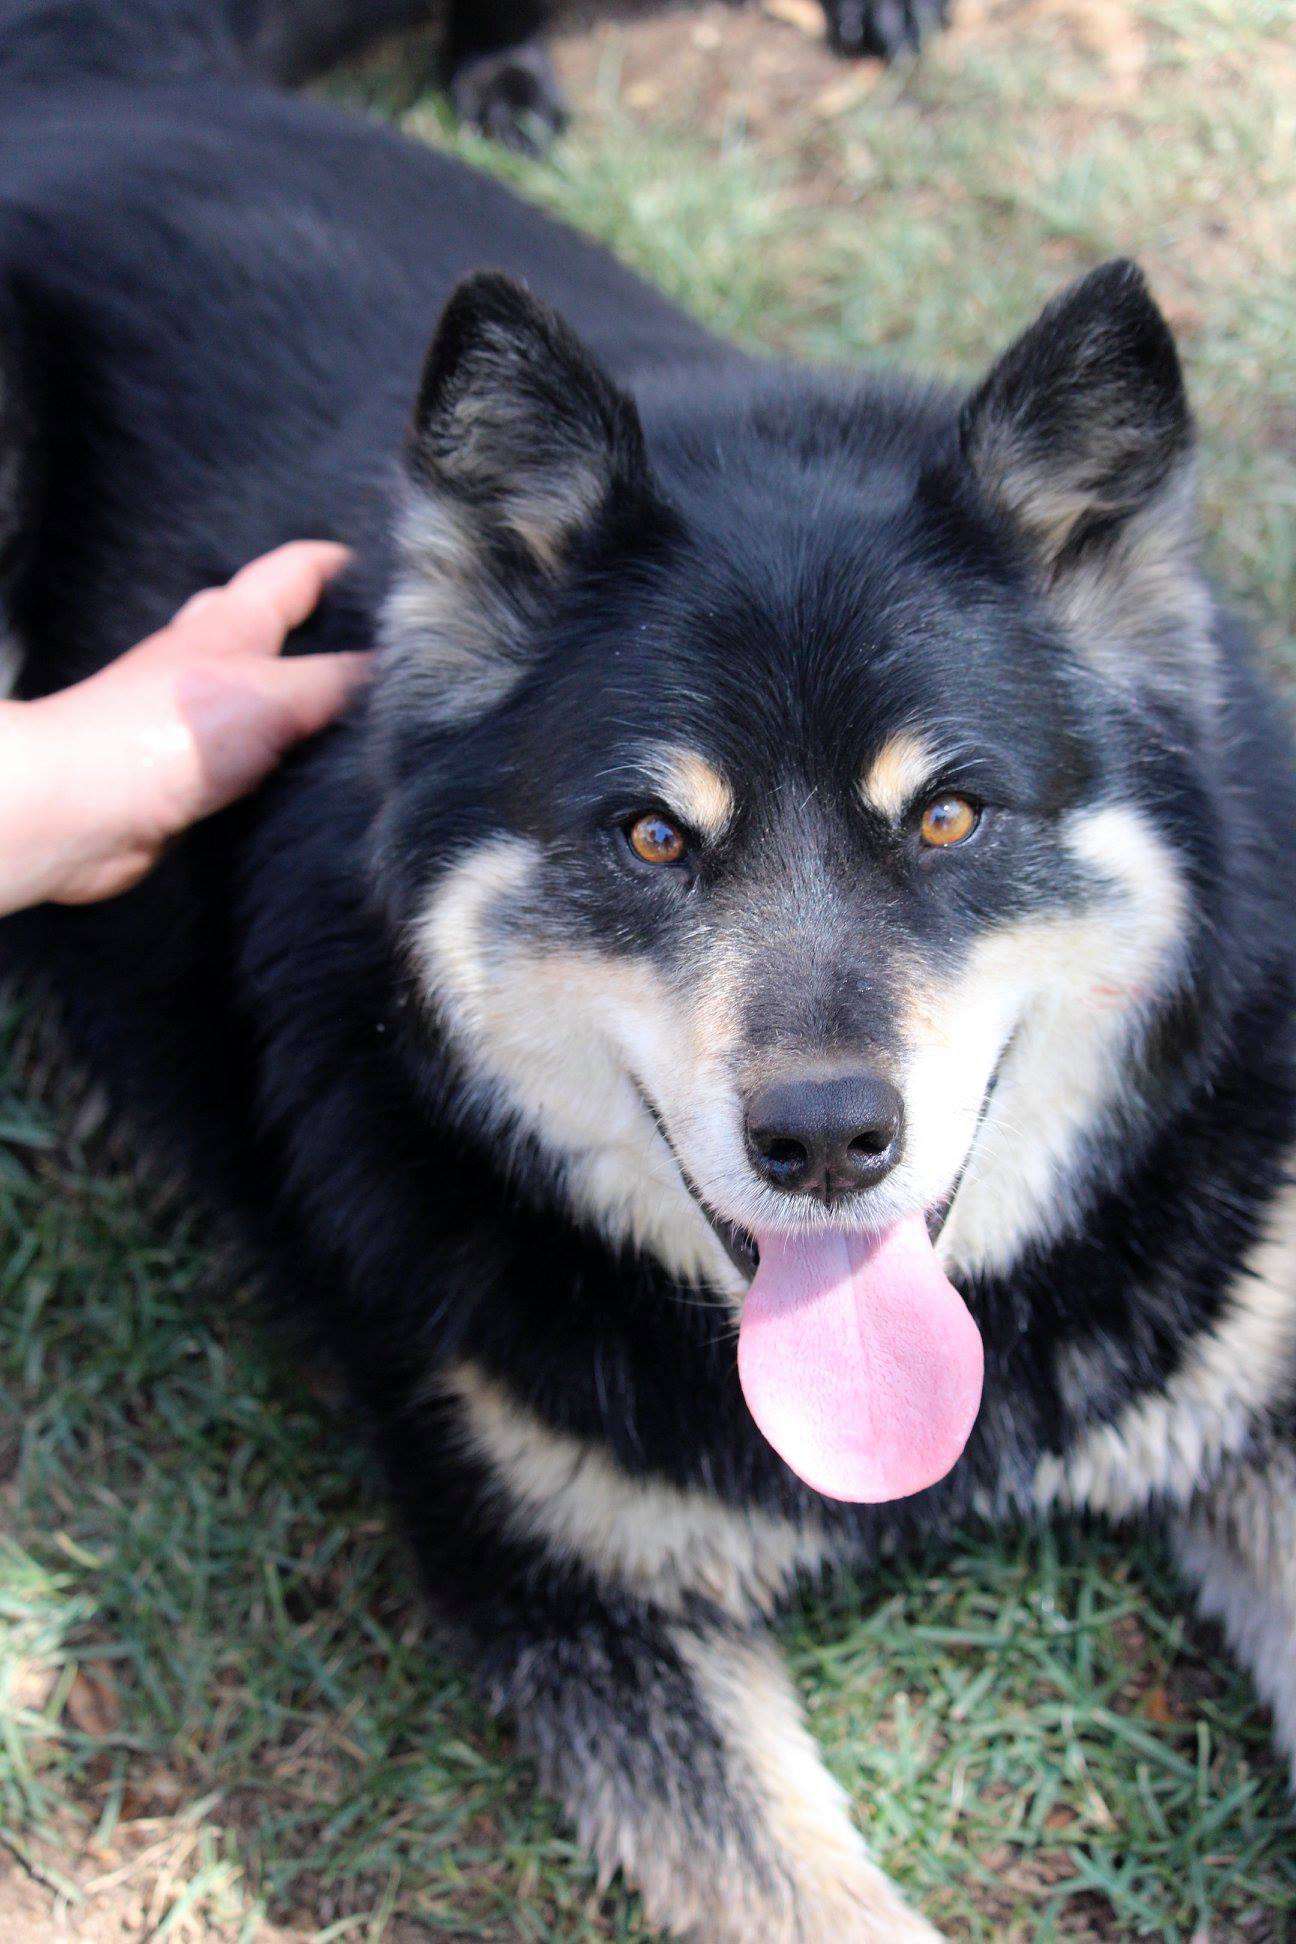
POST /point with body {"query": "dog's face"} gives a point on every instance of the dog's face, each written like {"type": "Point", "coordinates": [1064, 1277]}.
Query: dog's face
{"type": "Point", "coordinates": [775, 826]}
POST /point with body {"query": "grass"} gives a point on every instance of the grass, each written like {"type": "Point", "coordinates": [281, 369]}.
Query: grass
{"type": "Point", "coordinates": [218, 1714]}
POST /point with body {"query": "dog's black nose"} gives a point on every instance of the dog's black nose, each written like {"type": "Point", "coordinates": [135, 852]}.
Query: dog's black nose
{"type": "Point", "coordinates": [825, 1137]}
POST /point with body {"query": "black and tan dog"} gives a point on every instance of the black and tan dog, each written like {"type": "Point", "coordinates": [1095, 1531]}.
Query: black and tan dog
{"type": "Point", "coordinates": [772, 1027]}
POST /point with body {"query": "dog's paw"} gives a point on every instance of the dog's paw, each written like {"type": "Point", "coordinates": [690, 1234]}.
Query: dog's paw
{"type": "Point", "coordinates": [883, 27]}
{"type": "Point", "coordinates": [856, 1908]}
{"type": "Point", "coordinates": [513, 96]}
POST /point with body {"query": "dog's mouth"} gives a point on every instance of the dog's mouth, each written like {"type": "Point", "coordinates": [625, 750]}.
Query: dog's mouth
{"type": "Point", "coordinates": [742, 1248]}
{"type": "Point", "coordinates": [858, 1359]}
{"type": "Point", "coordinates": [739, 1244]}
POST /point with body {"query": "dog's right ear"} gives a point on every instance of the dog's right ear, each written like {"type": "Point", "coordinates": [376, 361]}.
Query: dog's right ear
{"type": "Point", "coordinates": [517, 424]}
{"type": "Point", "coordinates": [521, 450]}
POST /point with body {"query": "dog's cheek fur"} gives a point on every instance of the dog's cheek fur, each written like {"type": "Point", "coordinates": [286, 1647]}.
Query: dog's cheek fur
{"type": "Point", "coordinates": [550, 1031]}
{"type": "Point", "coordinates": [1064, 998]}
{"type": "Point", "coordinates": [566, 1039]}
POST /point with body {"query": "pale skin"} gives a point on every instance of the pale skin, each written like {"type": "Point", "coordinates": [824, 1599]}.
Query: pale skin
{"type": "Point", "coordinates": [96, 780]}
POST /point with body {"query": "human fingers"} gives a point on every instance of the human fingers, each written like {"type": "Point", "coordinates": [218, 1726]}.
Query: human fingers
{"type": "Point", "coordinates": [258, 609]}
{"type": "Point", "coordinates": [290, 582]}
{"type": "Point", "coordinates": [314, 689]}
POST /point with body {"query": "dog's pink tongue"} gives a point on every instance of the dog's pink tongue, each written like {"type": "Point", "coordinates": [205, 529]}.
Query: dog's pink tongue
{"type": "Point", "coordinates": [859, 1360]}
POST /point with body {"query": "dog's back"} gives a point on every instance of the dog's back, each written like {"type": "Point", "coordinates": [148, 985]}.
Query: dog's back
{"type": "Point", "coordinates": [231, 271]}
{"type": "Point", "coordinates": [215, 301]}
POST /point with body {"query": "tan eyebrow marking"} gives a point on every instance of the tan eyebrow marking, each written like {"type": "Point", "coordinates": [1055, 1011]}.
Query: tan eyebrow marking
{"type": "Point", "coordinates": [694, 787]}
{"type": "Point", "coordinates": [897, 774]}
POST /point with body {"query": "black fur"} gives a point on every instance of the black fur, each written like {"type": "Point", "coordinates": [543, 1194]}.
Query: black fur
{"type": "Point", "coordinates": [217, 301]}
{"type": "Point", "coordinates": [491, 56]}
{"type": "Point", "coordinates": [889, 28]}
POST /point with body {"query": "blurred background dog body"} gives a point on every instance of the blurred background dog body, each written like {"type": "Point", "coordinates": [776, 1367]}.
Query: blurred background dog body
{"type": "Point", "coordinates": [798, 820]}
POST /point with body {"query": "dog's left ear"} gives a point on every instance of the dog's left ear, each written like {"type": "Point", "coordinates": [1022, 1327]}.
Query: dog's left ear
{"type": "Point", "coordinates": [1084, 421]}
{"type": "Point", "coordinates": [518, 426]}
{"type": "Point", "coordinates": [1082, 437]}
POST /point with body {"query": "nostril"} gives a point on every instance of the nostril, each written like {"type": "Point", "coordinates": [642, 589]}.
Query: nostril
{"type": "Point", "coordinates": [782, 1155]}
{"type": "Point", "coordinates": [871, 1142]}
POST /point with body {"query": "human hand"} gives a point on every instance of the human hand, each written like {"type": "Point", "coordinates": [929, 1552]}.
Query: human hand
{"type": "Point", "coordinates": [97, 779]}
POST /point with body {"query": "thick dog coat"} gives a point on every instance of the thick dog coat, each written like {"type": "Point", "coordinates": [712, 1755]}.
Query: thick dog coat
{"type": "Point", "coordinates": [771, 1026]}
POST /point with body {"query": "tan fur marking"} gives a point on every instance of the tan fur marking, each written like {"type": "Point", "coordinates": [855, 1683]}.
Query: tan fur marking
{"type": "Point", "coordinates": [828, 1892]}
{"type": "Point", "coordinates": [896, 775]}
{"type": "Point", "coordinates": [693, 788]}
{"type": "Point", "coordinates": [654, 1539]}
{"type": "Point", "coordinates": [451, 929]}
{"type": "Point", "coordinates": [1238, 1546]}
{"type": "Point", "coordinates": [1071, 993]}
{"type": "Point", "coordinates": [1228, 1376]}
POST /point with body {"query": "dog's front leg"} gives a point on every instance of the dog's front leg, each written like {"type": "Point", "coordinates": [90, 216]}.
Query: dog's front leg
{"type": "Point", "coordinates": [1237, 1543]}
{"type": "Point", "coordinates": [677, 1746]}
{"type": "Point", "coordinates": [662, 1718]}
{"type": "Point", "coordinates": [889, 28]}
{"type": "Point", "coordinates": [501, 77]}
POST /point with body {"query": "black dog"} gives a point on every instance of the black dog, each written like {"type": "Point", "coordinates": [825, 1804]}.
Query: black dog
{"type": "Point", "coordinates": [799, 933]}
{"type": "Point", "coordinates": [888, 28]}
{"type": "Point", "coordinates": [498, 73]}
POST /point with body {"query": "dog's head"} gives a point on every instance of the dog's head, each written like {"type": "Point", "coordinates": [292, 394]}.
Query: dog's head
{"type": "Point", "coordinates": [777, 816]}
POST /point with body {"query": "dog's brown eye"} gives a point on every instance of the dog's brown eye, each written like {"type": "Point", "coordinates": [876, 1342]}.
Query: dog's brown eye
{"type": "Point", "coordinates": [949, 820]}
{"type": "Point", "coordinates": [655, 840]}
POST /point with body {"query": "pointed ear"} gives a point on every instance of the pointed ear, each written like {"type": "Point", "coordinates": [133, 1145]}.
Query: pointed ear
{"type": "Point", "coordinates": [1081, 437]}
{"type": "Point", "coordinates": [1084, 420]}
{"type": "Point", "coordinates": [518, 426]}
{"type": "Point", "coordinates": [520, 448]}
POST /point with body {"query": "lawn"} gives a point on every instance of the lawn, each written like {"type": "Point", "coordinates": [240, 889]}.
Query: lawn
{"type": "Point", "coordinates": [218, 1716]}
